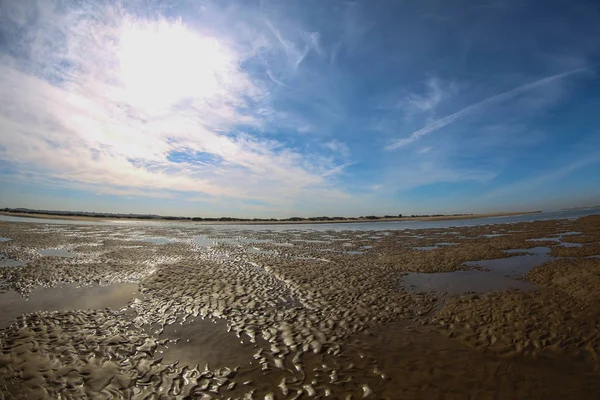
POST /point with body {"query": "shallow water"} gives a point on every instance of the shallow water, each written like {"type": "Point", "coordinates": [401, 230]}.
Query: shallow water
{"type": "Point", "coordinates": [4, 239]}
{"type": "Point", "coordinates": [203, 241]}
{"type": "Point", "coordinates": [425, 248]}
{"type": "Point", "coordinates": [63, 298]}
{"type": "Point", "coordinates": [353, 252]}
{"type": "Point", "coordinates": [391, 225]}
{"type": "Point", "coordinates": [516, 266]}
{"type": "Point", "coordinates": [460, 282]}
{"type": "Point", "coordinates": [256, 250]}
{"type": "Point", "coordinates": [9, 262]}
{"type": "Point", "coordinates": [57, 253]}
{"type": "Point", "coordinates": [567, 244]}
{"type": "Point", "coordinates": [545, 239]}
{"type": "Point", "coordinates": [155, 240]}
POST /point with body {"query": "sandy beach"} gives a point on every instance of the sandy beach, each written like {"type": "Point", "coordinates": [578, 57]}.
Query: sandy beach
{"type": "Point", "coordinates": [136, 312]}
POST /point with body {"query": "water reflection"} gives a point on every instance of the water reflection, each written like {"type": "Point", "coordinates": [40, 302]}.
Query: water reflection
{"type": "Point", "coordinates": [515, 266]}
{"type": "Point", "coordinates": [460, 282]}
{"type": "Point", "coordinates": [63, 298]}
{"type": "Point", "coordinates": [57, 253]}
{"type": "Point", "coordinates": [391, 225]}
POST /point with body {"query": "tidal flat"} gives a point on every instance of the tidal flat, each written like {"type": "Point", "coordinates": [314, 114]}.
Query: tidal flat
{"type": "Point", "coordinates": [193, 312]}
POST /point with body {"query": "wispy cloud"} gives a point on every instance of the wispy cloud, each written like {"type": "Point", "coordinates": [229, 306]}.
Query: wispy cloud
{"type": "Point", "coordinates": [442, 122]}
{"type": "Point", "coordinates": [338, 148]}
{"type": "Point", "coordinates": [437, 91]}
{"type": "Point", "coordinates": [295, 53]}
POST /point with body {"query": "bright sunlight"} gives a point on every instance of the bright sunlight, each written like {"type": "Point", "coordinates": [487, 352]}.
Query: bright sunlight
{"type": "Point", "coordinates": [163, 63]}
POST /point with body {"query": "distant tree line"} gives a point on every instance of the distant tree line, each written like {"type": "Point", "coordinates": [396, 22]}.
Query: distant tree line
{"type": "Point", "coordinates": [209, 219]}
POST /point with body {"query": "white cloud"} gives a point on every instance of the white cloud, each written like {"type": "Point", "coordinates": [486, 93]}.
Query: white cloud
{"type": "Point", "coordinates": [102, 99]}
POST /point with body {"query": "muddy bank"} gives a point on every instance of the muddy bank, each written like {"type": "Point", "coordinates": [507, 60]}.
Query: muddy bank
{"type": "Point", "coordinates": [301, 314]}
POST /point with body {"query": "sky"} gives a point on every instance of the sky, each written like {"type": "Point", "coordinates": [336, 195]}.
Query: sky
{"type": "Point", "coordinates": [299, 108]}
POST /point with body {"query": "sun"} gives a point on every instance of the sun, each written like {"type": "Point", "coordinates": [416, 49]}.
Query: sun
{"type": "Point", "coordinates": [162, 63]}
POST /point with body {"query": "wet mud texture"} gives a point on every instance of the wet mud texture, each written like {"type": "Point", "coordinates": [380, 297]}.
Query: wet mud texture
{"type": "Point", "coordinates": [301, 314]}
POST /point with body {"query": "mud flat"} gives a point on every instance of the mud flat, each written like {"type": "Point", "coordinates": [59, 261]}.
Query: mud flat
{"type": "Point", "coordinates": [156, 312]}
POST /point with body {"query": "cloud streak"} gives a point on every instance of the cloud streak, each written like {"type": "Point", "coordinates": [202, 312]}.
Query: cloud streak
{"type": "Point", "coordinates": [442, 122]}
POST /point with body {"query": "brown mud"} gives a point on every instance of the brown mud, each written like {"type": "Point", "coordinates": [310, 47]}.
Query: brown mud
{"type": "Point", "coordinates": [247, 314]}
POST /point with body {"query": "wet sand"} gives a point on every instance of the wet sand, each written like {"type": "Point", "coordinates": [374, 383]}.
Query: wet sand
{"type": "Point", "coordinates": [496, 311]}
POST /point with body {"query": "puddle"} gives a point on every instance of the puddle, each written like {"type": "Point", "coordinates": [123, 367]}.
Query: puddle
{"type": "Point", "coordinates": [460, 282]}
{"type": "Point", "coordinates": [446, 244]}
{"type": "Point", "coordinates": [551, 239]}
{"type": "Point", "coordinates": [67, 297]}
{"type": "Point", "coordinates": [9, 262]}
{"type": "Point", "coordinates": [230, 241]}
{"type": "Point", "coordinates": [57, 253]}
{"type": "Point", "coordinates": [540, 251]}
{"type": "Point", "coordinates": [256, 250]}
{"type": "Point", "coordinates": [493, 235]}
{"type": "Point", "coordinates": [206, 342]}
{"type": "Point", "coordinates": [4, 239]}
{"type": "Point", "coordinates": [571, 233]}
{"type": "Point", "coordinates": [203, 241]}
{"type": "Point", "coordinates": [155, 240]}
{"type": "Point", "coordinates": [353, 252]}
{"type": "Point", "coordinates": [425, 248]}
{"type": "Point", "coordinates": [259, 240]}
{"type": "Point", "coordinates": [307, 258]}
{"type": "Point", "coordinates": [515, 266]}
{"type": "Point", "coordinates": [567, 244]}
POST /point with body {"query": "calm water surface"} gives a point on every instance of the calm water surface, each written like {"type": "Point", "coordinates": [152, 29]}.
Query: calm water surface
{"type": "Point", "coordinates": [380, 226]}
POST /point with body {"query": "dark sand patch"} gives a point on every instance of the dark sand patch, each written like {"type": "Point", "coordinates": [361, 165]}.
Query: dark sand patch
{"type": "Point", "coordinates": [420, 363]}
{"type": "Point", "coordinates": [203, 341]}
{"type": "Point", "coordinates": [587, 249]}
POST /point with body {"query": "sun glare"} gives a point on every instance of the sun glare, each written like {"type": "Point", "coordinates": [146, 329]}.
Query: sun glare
{"type": "Point", "coordinates": [162, 63]}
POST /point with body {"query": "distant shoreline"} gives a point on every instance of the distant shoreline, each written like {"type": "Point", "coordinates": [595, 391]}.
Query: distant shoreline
{"type": "Point", "coordinates": [265, 222]}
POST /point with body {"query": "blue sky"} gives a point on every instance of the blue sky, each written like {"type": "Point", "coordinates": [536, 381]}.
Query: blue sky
{"type": "Point", "coordinates": [283, 108]}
